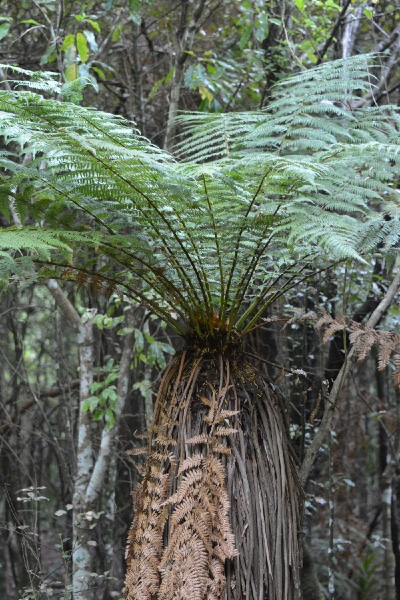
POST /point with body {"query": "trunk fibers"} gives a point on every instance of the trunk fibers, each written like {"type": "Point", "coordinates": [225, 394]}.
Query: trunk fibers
{"type": "Point", "coordinates": [219, 511]}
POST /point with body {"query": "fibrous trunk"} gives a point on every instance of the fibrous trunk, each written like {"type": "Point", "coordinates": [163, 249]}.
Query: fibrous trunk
{"type": "Point", "coordinates": [218, 513]}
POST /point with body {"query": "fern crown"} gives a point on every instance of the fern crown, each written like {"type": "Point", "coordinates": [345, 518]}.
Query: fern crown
{"type": "Point", "coordinates": [210, 238]}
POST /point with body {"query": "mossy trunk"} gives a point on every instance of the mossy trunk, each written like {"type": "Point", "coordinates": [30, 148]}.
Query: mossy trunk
{"type": "Point", "coordinates": [219, 511]}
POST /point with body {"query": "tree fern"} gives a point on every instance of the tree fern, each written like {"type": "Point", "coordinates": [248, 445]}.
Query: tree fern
{"type": "Point", "coordinates": [256, 202]}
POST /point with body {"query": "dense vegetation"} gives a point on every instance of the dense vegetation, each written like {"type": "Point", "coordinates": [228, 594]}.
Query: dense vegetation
{"type": "Point", "coordinates": [258, 220]}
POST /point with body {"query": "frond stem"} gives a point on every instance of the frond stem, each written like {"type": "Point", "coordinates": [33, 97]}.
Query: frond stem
{"type": "Point", "coordinates": [133, 292]}
{"type": "Point", "coordinates": [167, 281]}
{"type": "Point", "coordinates": [282, 291]}
{"type": "Point", "coordinates": [246, 279]}
{"type": "Point", "coordinates": [99, 221]}
{"type": "Point", "coordinates": [166, 222]}
{"type": "Point", "coordinates": [241, 231]}
{"type": "Point", "coordinates": [260, 298]}
{"type": "Point", "coordinates": [221, 272]}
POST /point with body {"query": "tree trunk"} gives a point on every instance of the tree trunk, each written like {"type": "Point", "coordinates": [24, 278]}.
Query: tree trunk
{"type": "Point", "coordinates": [188, 23]}
{"type": "Point", "coordinates": [91, 483]}
{"type": "Point", "coordinates": [219, 511]}
{"type": "Point", "coordinates": [350, 30]}
{"type": "Point", "coordinates": [82, 533]}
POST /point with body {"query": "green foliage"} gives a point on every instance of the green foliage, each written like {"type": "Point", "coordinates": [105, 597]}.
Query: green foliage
{"type": "Point", "coordinates": [103, 402]}
{"type": "Point", "coordinates": [5, 26]}
{"type": "Point", "coordinates": [216, 79]}
{"type": "Point", "coordinates": [368, 580]}
{"type": "Point", "coordinates": [218, 236]}
{"type": "Point", "coordinates": [309, 112]}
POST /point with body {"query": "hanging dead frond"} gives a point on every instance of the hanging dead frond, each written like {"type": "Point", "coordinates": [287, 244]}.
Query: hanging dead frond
{"type": "Point", "coordinates": [201, 538]}
{"type": "Point", "coordinates": [198, 439]}
{"type": "Point", "coordinates": [387, 342]}
{"type": "Point", "coordinates": [363, 339]}
{"type": "Point", "coordinates": [326, 319]}
{"type": "Point", "coordinates": [234, 503]}
{"type": "Point", "coordinates": [145, 538]}
{"type": "Point", "coordinates": [332, 325]}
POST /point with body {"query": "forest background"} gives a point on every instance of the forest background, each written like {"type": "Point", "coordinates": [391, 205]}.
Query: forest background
{"type": "Point", "coordinates": [144, 61]}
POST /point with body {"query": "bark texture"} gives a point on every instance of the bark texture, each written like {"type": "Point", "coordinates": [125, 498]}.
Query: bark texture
{"type": "Point", "coordinates": [219, 511]}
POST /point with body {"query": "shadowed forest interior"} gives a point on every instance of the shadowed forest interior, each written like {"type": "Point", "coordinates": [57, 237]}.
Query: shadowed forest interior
{"type": "Point", "coordinates": [200, 364]}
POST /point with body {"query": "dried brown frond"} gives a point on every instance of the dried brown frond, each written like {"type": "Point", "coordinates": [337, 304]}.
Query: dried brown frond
{"type": "Point", "coordinates": [326, 319]}
{"type": "Point", "coordinates": [229, 413]}
{"type": "Point", "coordinates": [199, 528]}
{"type": "Point", "coordinates": [224, 431]}
{"type": "Point", "coordinates": [387, 344]}
{"type": "Point", "coordinates": [221, 449]}
{"type": "Point", "coordinates": [363, 339]}
{"type": "Point", "coordinates": [206, 401]}
{"type": "Point", "coordinates": [165, 440]}
{"type": "Point", "coordinates": [190, 463]}
{"type": "Point", "coordinates": [198, 439]}
{"type": "Point", "coordinates": [338, 324]}
{"type": "Point", "coordinates": [145, 537]}
{"type": "Point", "coordinates": [364, 342]}
{"type": "Point", "coordinates": [226, 523]}
{"type": "Point", "coordinates": [141, 436]}
{"type": "Point", "coordinates": [396, 374]}
{"type": "Point", "coordinates": [140, 469]}
{"type": "Point", "coordinates": [356, 330]}
{"type": "Point", "coordinates": [200, 531]}
{"type": "Point", "coordinates": [137, 451]}
{"type": "Point", "coordinates": [192, 478]}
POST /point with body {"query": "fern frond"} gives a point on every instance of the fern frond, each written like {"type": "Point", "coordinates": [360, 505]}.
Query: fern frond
{"type": "Point", "coordinates": [216, 237]}
{"type": "Point", "coordinates": [38, 239]}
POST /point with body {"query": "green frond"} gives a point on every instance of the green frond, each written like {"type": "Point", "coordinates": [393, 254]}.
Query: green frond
{"type": "Point", "coordinates": [44, 81]}
{"type": "Point", "coordinates": [35, 239]}
{"type": "Point", "coordinates": [225, 230]}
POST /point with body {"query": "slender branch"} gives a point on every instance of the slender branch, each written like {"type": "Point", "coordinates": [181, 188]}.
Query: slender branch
{"type": "Point", "coordinates": [333, 32]}
{"type": "Point", "coordinates": [109, 435]}
{"type": "Point", "coordinates": [380, 89]}
{"type": "Point", "coordinates": [185, 38]}
{"type": "Point", "coordinates": [64, 304]}
{"type": "Point", "coordinates": [332, 400]}
{"type": "Point", "coordinates": [392, 38]}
